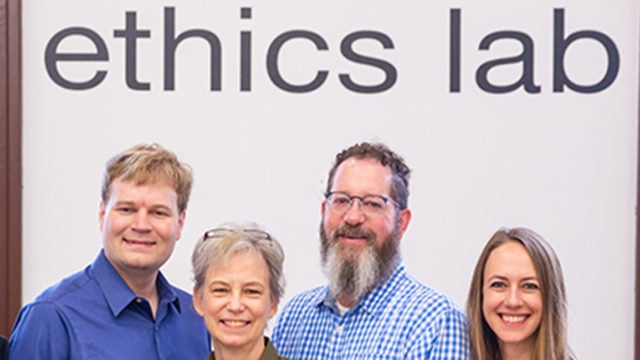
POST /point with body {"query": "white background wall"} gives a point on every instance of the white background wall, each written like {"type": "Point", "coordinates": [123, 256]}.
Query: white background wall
{"type": "Point", "coordinates": [563, 163]}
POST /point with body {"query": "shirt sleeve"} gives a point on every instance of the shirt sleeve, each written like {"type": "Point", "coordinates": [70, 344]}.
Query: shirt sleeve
{"type": "Point", "coordinates": [452, 342]}
{"type": "Point", "coordinates": [282, 337]}
{"type": "Point", "coordinates": [40, 333]}
{"type": "Point", "coordinates": [277, 332]}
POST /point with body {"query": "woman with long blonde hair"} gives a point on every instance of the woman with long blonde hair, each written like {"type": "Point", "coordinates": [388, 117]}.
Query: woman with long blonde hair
{"type": "Point", "coordinates": [517, 300]}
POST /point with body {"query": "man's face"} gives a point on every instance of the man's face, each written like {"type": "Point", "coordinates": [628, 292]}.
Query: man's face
{"type": "Point", "coordinates": [140, 225]}
{"type": "Point", "coordinates": [355, 245]}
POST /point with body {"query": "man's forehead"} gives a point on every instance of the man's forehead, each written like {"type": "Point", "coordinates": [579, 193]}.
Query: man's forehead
{"type": "Point", "coordinates": [357, 163]}
{"type": "Point", "coordinates": [363, 173]}
{"type": "Point", "coordinates": [144, 180]}
{"type": "Point", "coordinates": [150, 187]}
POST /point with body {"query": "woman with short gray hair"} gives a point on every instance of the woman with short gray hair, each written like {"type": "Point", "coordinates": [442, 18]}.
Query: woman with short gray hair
{"type": "Point", "coordinates": [237, 270]}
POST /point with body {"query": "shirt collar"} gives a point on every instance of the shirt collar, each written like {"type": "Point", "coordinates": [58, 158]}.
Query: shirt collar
{"type": "Point", "coordinates": [371, 303]}
{"type": "Point", "coordinates": [117, 292]}
{"type": "Point", "coordinates": [269, 351]}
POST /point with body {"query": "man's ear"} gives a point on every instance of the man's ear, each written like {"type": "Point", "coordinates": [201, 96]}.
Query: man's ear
{"type": "Point", "coordinates": [181, 218]}
{"type": "Point", "coordinates": [101, 212]}
{"type": "Point", "coordinates": [405, 218]}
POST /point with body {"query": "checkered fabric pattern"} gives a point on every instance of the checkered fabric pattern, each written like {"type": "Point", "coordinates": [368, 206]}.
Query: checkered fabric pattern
{"type": "Point", "coordinates": [400, 319]}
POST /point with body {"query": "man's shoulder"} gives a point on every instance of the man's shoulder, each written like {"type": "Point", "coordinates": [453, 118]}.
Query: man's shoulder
{"type": "Point", "coordinates": [67, 288]}
{"type": "Point", "coordinates": [309, 297]}
{"type": "Point", "coordinates": [298, 313]}
{"type": "Point", "coordinates": [47, 313]}
{"type": "Point", "coordinates": [304, 303]}
{"type": "Point", "coordinates": [414, 295]}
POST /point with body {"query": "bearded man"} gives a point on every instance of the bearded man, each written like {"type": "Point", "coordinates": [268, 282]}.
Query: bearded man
{"type": "Point", "coordinates": [371, 308]}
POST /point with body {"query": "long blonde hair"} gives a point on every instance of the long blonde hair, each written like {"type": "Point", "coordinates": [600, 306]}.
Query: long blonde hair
{"type": "Point", "coordinates": [551, 337]}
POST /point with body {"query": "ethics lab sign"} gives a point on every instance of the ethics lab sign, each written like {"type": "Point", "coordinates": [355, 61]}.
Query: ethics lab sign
{"type": "Point", "coordinates": [509, 113]}
{"type": "Point", "coordinates": [98, 50]}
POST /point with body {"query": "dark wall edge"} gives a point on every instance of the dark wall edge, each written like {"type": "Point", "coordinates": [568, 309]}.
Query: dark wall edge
{"type": "Point", "coordinates": [10, 163]}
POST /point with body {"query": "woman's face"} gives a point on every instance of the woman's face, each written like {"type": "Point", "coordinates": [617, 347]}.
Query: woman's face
{"type": "Point", "coordinates": [512, 301]}
{"type": "Point", "coordinates": [236, 303]}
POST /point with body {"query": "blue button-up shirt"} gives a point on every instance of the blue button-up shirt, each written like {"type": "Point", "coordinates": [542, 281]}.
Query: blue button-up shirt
{"type": "Point", "coordinates": [93, 314]}
{"type": "Point", "coordinates": [400, 319]}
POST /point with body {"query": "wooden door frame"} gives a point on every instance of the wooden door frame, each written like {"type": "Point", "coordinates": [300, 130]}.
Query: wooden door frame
{"type": "Point", "coordinates": [10, 163]}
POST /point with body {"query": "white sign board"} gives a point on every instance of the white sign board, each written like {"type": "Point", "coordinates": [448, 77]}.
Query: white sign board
{"type": "Point", "coordinates": [509, 113]}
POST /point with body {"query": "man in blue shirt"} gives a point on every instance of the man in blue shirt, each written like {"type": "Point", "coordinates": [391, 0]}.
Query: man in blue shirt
{"type": "Point", "coordinates": [121, 306]}
{"type": "Point", "coordinates": [371, 308]}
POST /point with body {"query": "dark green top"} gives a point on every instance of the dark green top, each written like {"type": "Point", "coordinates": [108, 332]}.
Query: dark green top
{"type": "Point", "coordinates": [269, 352]}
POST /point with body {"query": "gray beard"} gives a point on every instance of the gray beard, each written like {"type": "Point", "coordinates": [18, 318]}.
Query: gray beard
{"type": "Point", "coordinates": [354, 273]}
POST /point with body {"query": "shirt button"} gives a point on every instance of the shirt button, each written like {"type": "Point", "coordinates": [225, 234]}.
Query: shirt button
{"type": "Point", "coordinates": [138, 300]}
{"type": "Point", "coordinates": [339, 329]}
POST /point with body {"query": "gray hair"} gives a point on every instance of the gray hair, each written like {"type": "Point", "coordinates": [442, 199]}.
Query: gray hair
{"type": "Point", "coordinates": [217, 245]}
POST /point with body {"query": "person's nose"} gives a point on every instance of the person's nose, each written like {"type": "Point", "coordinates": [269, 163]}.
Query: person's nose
{"type": "Point", "coordinates": [514, 298]}
{"type": "Point", "coordinates": [235, 303]}
{"type": "Point", "coordinates": [354, 214]}
{"type": "Point", "coordinates": [141, 221]}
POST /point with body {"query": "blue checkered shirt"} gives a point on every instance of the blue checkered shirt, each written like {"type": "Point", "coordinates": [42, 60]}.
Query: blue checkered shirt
{"type": "Point", "coordinates": [400, 319]}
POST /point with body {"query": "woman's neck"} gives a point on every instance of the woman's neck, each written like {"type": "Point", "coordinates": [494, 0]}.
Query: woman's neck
{"type": "Point", "coordinates": [516, 351]}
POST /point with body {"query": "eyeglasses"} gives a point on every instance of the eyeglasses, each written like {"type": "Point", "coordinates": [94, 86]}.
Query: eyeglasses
{"type": "Point", "coordinates": [222, 232]}
{"type": "Point", "coordinates": [371, 205]}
